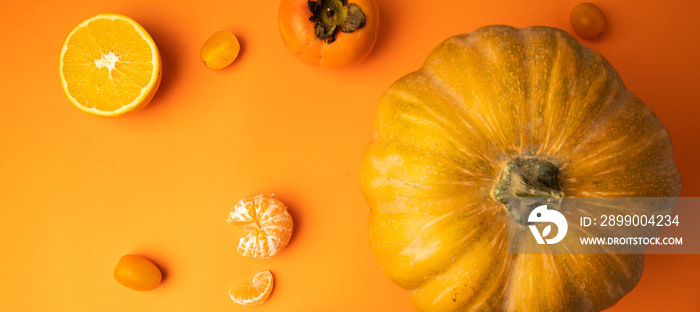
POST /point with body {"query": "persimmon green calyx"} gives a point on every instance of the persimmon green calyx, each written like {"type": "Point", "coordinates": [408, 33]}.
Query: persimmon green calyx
{"type": "Point", "coordinates": [332, 15]}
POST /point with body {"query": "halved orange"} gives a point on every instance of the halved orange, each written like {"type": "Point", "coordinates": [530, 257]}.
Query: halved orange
{"type": "Point", "coordinates": [268, 223]}
{"type": "Point", "coordinates": [109, 66]}
{"type": "Point", "coordinates": [255, 292]}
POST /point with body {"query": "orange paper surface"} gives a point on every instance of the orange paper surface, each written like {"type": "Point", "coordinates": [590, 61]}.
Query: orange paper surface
{"type": "Point", "coordinates": [77, 192]}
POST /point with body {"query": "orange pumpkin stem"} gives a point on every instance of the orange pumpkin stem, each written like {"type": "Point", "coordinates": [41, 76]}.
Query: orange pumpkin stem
{"type": "Point", "coordinates": [527, 177]}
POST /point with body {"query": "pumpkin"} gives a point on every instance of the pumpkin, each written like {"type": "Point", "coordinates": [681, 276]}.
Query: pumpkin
{"type": "Point", "coordinates": [495, 105]}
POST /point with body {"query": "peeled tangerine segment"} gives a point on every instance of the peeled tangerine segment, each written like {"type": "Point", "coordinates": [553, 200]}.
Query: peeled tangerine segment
{"type": "Point", "coordinates": [268, 223]}
{"type": "Point", "coordinates": [255, 292]}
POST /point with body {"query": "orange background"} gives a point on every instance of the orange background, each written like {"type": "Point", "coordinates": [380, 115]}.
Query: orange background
{"type": "Point", "coordinates": [77, 191]}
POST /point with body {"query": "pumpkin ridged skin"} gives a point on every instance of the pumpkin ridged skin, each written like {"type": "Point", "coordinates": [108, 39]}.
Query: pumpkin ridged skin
{"type": "Point", "coordinates": [442, 137]}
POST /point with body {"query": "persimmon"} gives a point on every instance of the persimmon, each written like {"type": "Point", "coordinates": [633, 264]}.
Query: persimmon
{"type": "Point", "coordinates": [329, 33]}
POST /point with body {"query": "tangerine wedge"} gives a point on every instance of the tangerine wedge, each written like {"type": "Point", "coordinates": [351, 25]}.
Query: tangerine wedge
{"type": "Point", "coordinates": [255, 292]}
